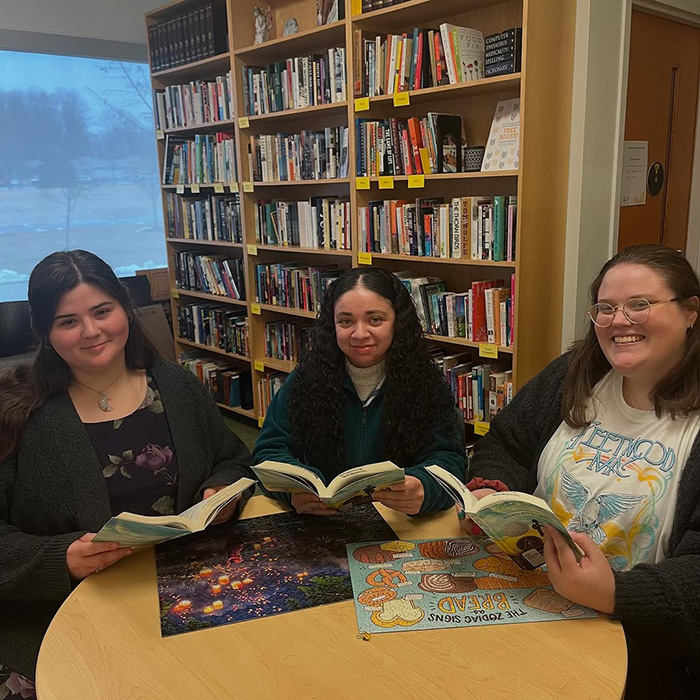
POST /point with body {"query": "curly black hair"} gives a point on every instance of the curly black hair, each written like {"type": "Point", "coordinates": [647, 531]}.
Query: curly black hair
{"type": "Point", "coordinates": [417, 399]}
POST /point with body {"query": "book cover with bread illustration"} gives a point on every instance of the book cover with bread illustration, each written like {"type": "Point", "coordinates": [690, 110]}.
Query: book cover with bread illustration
{"type": "Point", "coordinates": [431, 584]}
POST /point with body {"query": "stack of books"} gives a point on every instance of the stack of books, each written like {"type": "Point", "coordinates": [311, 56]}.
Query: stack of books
{"type": "Point", "coordinates": [228, 385]}
{"type": "Point", "coordinates": [319, 222]}
{"type": "Point", "coordinates": [211, 274]}
{"type": "Point", "coordinates": [219, 326]}
{"type": "Point", "coordinates": [212, 218]}
{"type": "Point", "coordinates": [309, 155]}
{"type": "Point", "coordinates": [191, 36]}
{"type": "Point", "coordinates": [503, 52]}
{"type": "Point", "coordinates": [198, 102]}
{"type": "Point", "coordinates": [299, 82]}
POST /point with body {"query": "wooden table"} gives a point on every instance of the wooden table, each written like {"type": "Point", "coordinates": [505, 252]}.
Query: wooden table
{"type": "Point", "coordinates": [105, 644]}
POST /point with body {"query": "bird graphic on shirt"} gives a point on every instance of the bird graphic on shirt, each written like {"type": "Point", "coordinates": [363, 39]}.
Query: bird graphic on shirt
{"type": "Point", "coordinates": [592, 512]}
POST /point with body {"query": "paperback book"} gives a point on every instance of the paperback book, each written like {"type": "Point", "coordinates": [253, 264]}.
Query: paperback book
{"type": "Point", "coordinates": [133, 530]}
{"type": "Point", "coordinates": [353, 486]}
{"type": "Point", "coordinates": [514, 521]}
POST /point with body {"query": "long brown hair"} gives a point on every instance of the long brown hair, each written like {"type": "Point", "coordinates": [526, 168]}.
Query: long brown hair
{"type": "Point", "coordinates": [679, 392]}
{"type": "Point", "coordinates": [24, 389]}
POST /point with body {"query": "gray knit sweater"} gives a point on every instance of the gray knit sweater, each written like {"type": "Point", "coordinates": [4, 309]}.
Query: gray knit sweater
{"type": "Point", "coordinates": [52, 491]}
{"type": "Point", "coordinates": [658, 604]}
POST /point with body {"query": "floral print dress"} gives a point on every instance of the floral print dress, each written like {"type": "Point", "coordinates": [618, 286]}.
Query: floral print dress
{"type": "Point", "coordinates": [137, 458]}
{"type": "Point", "coordinates": [140, 468]}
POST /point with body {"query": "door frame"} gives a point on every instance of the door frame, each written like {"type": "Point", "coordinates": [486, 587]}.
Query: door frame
{"type": "Point", "coordinates": [599, 100]}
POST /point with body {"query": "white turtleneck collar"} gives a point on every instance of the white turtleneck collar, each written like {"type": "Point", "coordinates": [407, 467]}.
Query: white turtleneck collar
{"type": "Point", "coordinates": [366, 379]}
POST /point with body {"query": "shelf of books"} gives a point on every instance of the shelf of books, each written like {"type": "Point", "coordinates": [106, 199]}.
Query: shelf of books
{"type": "Point", "coordinates": [429, 137]}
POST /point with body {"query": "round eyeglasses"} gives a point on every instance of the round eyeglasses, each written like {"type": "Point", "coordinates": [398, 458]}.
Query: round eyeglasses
{"type": "Point", "coordinates": [635, 311]}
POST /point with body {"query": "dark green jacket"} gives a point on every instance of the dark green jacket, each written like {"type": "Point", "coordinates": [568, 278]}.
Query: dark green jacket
{"type": "Point", "coordinates": [364, 444]}
{"type": "Point", "coordinates": [52, 492]}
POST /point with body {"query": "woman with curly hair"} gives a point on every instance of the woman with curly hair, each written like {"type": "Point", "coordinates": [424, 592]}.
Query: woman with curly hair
{"type": "Point", "coordinates": [367, 390]}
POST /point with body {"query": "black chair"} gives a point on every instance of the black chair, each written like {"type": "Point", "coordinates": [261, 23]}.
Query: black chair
{"type": "Point", "coordinates": [15, 328]}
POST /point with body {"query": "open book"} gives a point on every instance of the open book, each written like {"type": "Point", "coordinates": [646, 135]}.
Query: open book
{"type": "Point", "coordinates": [513, 520]}
{"type": "Point", "coordinates": [132, 530]}
{"type": "Point", "coordinates": [355, 485]}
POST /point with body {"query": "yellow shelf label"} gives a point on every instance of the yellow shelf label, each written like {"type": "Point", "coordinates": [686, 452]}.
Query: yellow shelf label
{"type": "Point", "coordinates": [243, 122]}
{"type": "Point", "coordinates": [261, 420]}
{"type": "Point", "coordinates": [480, 427]}
{"type": "Point", "coordinates": [219, 187]}
{"type": "Point", "coordinates": [364, 258]}
{"type": "Point", "coordinates": [362, 104]}
{"type": "Point", "coordinates": [386, 182]}
{"type": "Point", "coordinates": [233, 186]}
{"type": "Point", "coordinates": [488, 350]}
{"type": "Point", "coordinates": [362, 183]}
{"type": "Point", "coordinates": [259, 366]}
{"type": "Point", "coordinates": [416, 181]}
{"type": "Point", "coordinates": [180, 189]}
{"type": "Point", "coordinates": [252, 249]}
{"type": "Point", "coordinates": [195, 188]}
{"type": "Point", "coordinates": [248, 187]}
{"type": "Point", "coordinates": [159, 134]}
{"type": "Point", "coordinates": [401, 99]}
{"type": "Point", "coordinates": [174, 294]}
{"type": "Point", "coordinates": [255, 309]}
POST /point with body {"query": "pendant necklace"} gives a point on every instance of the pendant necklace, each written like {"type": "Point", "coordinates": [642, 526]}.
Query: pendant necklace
{"type": "Point", "coordinates": [104, 400]}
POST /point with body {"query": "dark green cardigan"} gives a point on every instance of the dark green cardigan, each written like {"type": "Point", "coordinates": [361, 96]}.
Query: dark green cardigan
{"type": "Point", "coordinates": [52, 491]}
{"type": "Point", "coordinates": [364, 444]}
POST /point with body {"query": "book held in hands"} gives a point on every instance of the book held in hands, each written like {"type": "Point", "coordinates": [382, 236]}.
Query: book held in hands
{"type": "Point", "coordinates": [356, 485]}
{"type": "Point", "coordinates": [133, 530]}
{"type": "Point", "coordinates": [514, 521]}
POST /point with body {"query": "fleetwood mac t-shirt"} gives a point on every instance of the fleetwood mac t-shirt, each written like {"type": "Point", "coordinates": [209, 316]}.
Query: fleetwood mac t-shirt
{"type": "Point", "coordinates": [617, 478]}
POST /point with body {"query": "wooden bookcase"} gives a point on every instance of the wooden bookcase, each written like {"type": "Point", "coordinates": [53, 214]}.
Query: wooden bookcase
{"type": "Point", "coordinates": [544, 86]}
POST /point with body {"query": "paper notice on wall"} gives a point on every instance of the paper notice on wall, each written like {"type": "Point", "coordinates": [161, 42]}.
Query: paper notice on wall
{"type": "Point", "coordinates": [634, 173]}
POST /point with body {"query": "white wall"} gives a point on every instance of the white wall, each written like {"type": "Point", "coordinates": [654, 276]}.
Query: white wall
{"type": "Point", "coordinates": [111, 20]}
{"type": "Point", "coordinates": [599, 99]}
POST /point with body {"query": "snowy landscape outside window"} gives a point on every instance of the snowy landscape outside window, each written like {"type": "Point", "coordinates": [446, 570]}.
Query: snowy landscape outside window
{"type": "Point", "coordinates": [78, 165]}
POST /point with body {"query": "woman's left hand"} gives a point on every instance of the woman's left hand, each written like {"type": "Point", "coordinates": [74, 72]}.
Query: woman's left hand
{"type": "Point", "coordinates": [589, 582]}
{"type": "Point", "coordinates": [407, 497]}
{"type": "Point", "coordinates": [228, 510]}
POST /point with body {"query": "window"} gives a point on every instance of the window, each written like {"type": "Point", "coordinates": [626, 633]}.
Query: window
{"type": "Point", "coordinates": [78, 165]}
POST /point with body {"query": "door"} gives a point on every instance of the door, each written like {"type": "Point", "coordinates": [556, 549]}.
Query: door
{"type": "Point", "coordinates": [662, 104]}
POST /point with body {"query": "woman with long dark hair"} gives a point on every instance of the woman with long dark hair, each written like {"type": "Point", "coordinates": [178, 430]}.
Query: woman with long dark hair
{"type": "Point", "coordinates": [609, 435]}
{"type": "Point", "coordinates": [367, 390]}
{"type": "Point", "coordinates": [97, 425]}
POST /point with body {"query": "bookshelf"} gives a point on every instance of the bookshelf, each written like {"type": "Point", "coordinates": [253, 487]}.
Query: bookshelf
{"type": "Point", "coordinates": [543, 85]}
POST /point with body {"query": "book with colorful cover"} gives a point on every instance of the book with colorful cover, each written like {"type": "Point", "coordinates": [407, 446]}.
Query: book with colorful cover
{"type": "Point", "coordinates": [503, 146]}
{"type": "Point", "coordinates": [514, 521]}
{"type": "Point", "coordinates": [352, 486]}
{"type": "Point", "coordinates": [133, 530]}
{"type": "Point", "coordinates": [432, 584]}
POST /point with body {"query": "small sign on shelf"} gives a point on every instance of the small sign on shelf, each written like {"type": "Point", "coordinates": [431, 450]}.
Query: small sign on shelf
{"type": "Point", "coordinates": [364, 258]}
{"type": "Point", "coordinates": [488, 350]}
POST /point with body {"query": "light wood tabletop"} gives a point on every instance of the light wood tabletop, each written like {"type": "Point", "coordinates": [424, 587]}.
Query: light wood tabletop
{"type": "Point", "coordinates": [105, 643]}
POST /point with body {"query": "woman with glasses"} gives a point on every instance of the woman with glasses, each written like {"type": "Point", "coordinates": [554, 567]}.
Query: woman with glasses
{"type": "Point", "coordinates": [607, 434]}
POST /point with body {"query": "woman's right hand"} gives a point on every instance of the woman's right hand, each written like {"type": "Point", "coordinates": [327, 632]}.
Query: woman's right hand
{"type": "Point", "coordinates": [311, 504]}
{"type": "Point", "coordinates": [466, 523]}
{"type": "Point", "coordinates": [85, 557]}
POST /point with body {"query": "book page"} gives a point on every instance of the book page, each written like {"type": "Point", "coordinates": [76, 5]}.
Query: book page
{"type": "Point", "coordinates": [362, 490]}
{"type": "Point", "coordinates": [355, 474]}
{"type": "Point", "coordinates": [202, 513]}
{"type": "Point", "coordinates": [457, 491]}
{"type": "Point", "coordinates": [287, 478]}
